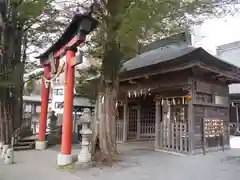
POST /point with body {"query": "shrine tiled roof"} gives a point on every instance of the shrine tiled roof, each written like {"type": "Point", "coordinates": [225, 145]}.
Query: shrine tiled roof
{"type": "Point", "coordinates": [32, 98]}
{"type": "Point", "coordinates": [157, 56]}
{"type": "Point", "coordinates": [79, 102]}
{"type": "Point", "coordinates": [178, 54]}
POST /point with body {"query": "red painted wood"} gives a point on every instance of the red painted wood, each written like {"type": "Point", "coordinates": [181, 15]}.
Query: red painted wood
{"type": "Point", "coordinates": [74, 42]}
{"type": "Point", "coordinates": [66, 147]}
{"type": "Point", "coordinates": [44, 105]}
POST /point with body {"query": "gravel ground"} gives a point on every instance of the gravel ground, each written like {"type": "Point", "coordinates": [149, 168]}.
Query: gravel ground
{"type": "Point", "coordinates": [139, 163]}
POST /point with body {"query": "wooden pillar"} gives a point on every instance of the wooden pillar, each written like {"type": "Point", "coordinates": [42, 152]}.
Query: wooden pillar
{"type": "Point", "coordinates": [237, 115]}
{"type": "Point", "coordinates": [41, 144]}
{"type": "Point", "coordinates": [65, 157]}
{"type": "Point", "coordinates": [138, 122]}
{"type": "Point", "coordinates": [157, 123]}
{"type": "Point", "coordinates": [191, 119]}
{"type": "Point", "coordinates": [66, 147]}
{"type": "Point", "coordinates": [125, 120]}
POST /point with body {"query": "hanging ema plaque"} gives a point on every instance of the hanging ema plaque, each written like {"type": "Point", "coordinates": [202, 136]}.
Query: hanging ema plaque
{"type": "Point", "coordinates": [213, 127]}
{"type": "Point", "coordinates": [212, 133]}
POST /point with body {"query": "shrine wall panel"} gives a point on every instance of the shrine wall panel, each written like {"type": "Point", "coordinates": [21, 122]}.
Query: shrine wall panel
{"type": "Point", "coordinates": [211, 94]}
{"type": "Point", "coordinates": [198, 113]}
{"type": "Point", "coordinates": [211, 87]}
{"type": "Point", "coordinates": [201, 112]}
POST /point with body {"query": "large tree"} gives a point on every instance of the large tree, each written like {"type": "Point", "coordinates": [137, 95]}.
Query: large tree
{"type": "Point", "coordinates": [126, 25]}
{"type": "Point", "coordinates": [26, 25]}
{"type": "Point", "coordinates": [12, 69]}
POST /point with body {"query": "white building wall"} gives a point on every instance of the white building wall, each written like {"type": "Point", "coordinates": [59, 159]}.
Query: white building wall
{"type": "Point", "coordinates": [57, 94]}
{"type": "Point", "coordinates": [231, 53]}
{"type": "Point", "coordinates": [57, 98]}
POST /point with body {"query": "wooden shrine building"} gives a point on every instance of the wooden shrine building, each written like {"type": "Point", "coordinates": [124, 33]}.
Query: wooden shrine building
{"type": "Point", "coordinates": [178, 96]}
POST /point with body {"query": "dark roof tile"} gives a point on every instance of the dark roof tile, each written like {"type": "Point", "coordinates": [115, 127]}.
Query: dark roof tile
{"type": "Point", "coordinates": [157, 56]}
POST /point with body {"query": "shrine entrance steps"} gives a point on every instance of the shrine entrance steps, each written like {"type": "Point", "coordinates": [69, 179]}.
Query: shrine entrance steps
{"type": "Point", "coordinates": [25, 144]}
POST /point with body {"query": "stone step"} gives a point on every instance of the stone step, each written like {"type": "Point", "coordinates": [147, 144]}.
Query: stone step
{"type": "Point", "coordinates": [30, 138]}
{"type": "Point", "coordinates": [21, 148]}
{"type": "Point", "coordinates": [24, 143]}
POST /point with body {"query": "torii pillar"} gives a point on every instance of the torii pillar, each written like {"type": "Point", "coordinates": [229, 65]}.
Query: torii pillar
{"type": "Point", "coordinates": [65, 156]}
{"type": "Point", "coordinates": [74, 35]}
{"type": "Point", "coordinates": [41, 142]}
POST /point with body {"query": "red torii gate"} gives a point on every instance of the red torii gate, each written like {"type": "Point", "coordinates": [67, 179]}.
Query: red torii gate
{"type": "Point", "coordinates": [74, 35]}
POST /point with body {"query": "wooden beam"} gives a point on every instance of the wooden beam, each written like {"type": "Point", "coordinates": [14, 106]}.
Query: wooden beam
{"type": "Point", "coordinates": [125, 119]}
{"type": "Point", "coordinates": [162, 71]}
{"type": "Point", "coordinates": [161, 84]}
{"type": "Point", "coordinates": [217, 71]}
{"type": "Point", "coordinates": [157, 123]}
{"type": "Point", "coordinates": [74, 42]}
{"type": "Point", "coordinates": [191, 117]}
{"type": "Point", "coordinates": [181, 67]}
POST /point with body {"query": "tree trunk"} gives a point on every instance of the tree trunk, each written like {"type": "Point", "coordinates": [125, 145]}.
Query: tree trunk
{"type": "Point", "coordinates": [6, 127]}
{"type": "Point", "coordinates": [2, 122]}
{"type": "Point", "coordinates": [95, 127]}
{"type": "Point", "coordinates": [11, 117]}
{"type": "Point", "coordinates": [104, 125]}
{"type": "Point", "coordinates": [24, 58]}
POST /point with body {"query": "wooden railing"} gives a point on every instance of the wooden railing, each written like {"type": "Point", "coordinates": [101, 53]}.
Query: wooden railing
{"type": "Point", "coordinates": [174, 137]}
{"type": "Point", "coordinates": [233, 128]}
{"type": "Point", "coordinates": [119, 130]}
{"type": "Point", "coordinates": [16, 136]}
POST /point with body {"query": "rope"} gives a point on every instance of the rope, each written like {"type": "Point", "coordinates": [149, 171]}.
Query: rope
{"type": "Point", "coordinates": [47, 81]}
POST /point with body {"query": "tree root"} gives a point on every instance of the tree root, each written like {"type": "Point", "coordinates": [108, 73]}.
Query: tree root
{"type": "Point", "coordinates": [100, 159]}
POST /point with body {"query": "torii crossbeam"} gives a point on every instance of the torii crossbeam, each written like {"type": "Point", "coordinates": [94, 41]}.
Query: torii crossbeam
{"type": "Point", "coordinates": [74, 35]}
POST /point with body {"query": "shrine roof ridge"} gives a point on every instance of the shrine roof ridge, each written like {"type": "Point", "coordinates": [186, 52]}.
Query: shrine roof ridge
{"type": "Point", "coordinates": [156, 56]}
{"type": "Point", "coordinates": [69, 33]}
{"type": "Point", "coordinates": [179, 54]}
{"type": "Point", "coordinates": [228, 46]}
{"type": "Point", "coordinates": [154, 60]}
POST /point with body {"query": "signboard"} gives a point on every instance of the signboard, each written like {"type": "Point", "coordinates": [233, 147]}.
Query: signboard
{"type": "Point", "coordinates": [213, 127]}
{"type": "Point", "coordinates": [213, 130]}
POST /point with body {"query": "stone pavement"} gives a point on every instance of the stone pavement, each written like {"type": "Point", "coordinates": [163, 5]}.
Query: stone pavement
{"type": "Point", "coordinates": [139, 163]}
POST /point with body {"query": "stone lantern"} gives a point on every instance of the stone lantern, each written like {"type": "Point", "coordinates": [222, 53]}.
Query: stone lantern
{"type": "Point", "coordinates": [1, 147]}
{"type": "Point", "coordinates": [4, 151]}
{"type": "Point", "coordinates": [84, 157]}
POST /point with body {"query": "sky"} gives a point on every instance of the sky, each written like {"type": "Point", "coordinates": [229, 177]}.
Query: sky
{"type": "Point", "coordinates": [215, 32]}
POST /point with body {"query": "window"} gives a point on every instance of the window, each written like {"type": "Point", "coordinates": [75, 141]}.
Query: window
{"type": "Point", "coordinates": [58, 92]}
{"type": "Point", "coordinates": [221, 100]}
{"type": "Point", "coordinates": [57, 81]}
{"type": "Point", "coordinates": [200, 97]}
{"type": "Point", "coordinates": [204, 98]}
{"type": "Point", "coordinates": [28, 108]}
{"type": "Point", "coordinates": [55, 91]}
{"type": "Point", "coordinates": [38, 109]}
{"type": "Point", "coordinates": [58, 105]}
{"type": "Point", "coordinates": [209, 98]}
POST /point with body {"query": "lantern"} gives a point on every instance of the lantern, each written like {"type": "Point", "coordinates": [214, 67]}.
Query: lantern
{"type": "Point", "coordinates": [188, 97]}
{"type": "Point", "coordinates": [87, 25]}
